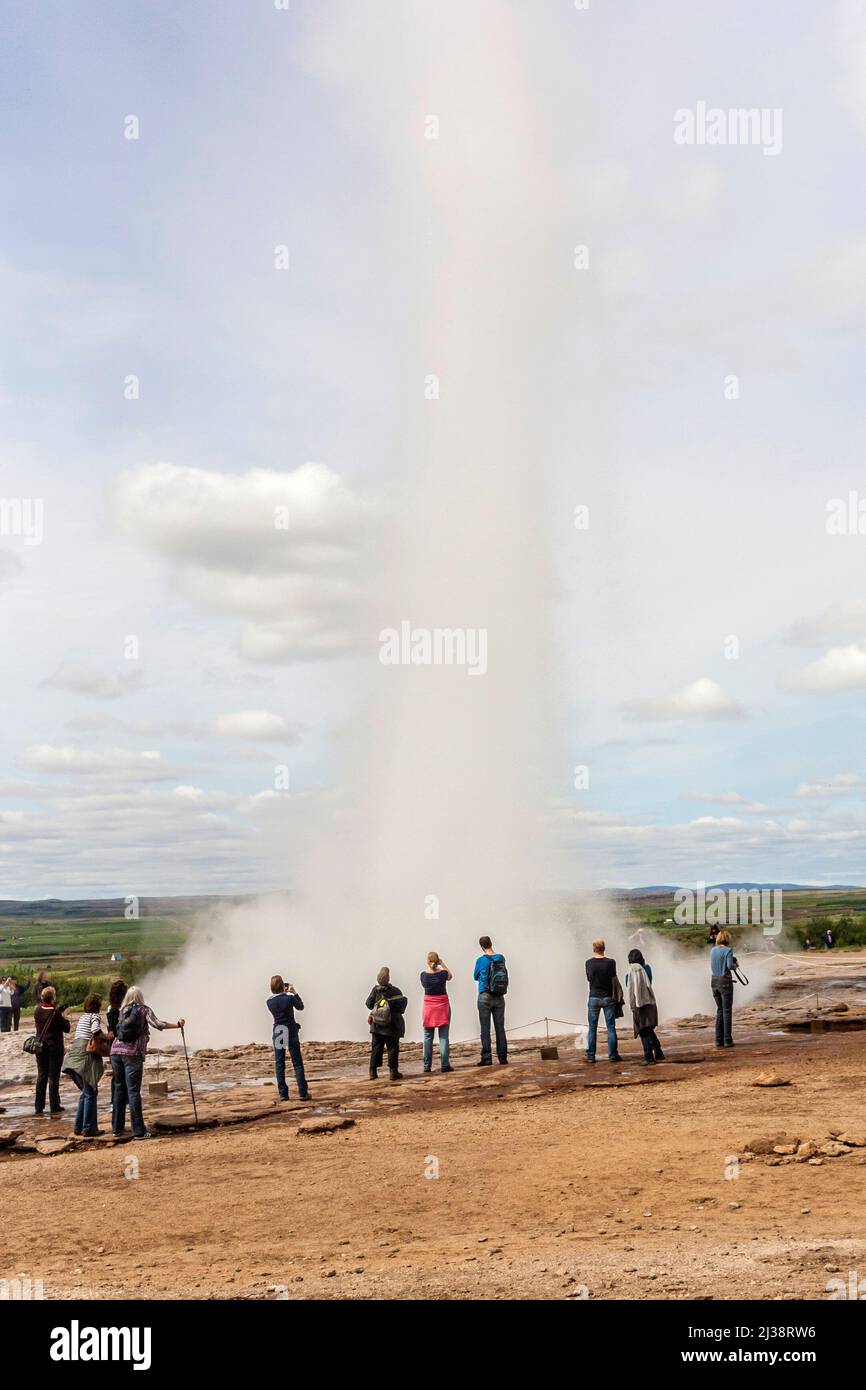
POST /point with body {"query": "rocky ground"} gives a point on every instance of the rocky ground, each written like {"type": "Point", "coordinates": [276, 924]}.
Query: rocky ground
{"type": "Point", "coordinates": [717, 1174]}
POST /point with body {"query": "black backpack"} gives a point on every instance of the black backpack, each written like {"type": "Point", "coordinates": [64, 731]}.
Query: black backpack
{"type": "Point", "coordinates": [130, 1024]}
{"type": "Point", "coordinates": [497, 977]}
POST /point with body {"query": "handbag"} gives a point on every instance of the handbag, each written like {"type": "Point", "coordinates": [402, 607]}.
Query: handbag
{"type": "Point", "coordinates": [33, 1044]}
{"type": "Point", "coordinates": [99, 1045]}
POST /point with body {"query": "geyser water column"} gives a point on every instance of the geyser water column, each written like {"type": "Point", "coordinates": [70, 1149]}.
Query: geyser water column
{"type": "Point", "coordinates": [460, 760]}
{"type": "Point", "coordinates": [451, 766]}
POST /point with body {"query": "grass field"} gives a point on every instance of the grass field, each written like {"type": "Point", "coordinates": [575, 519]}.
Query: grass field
{"type": "Point", "coordinates": [805, 912]}
{"type": "Point", "coordinates": [77, 954]}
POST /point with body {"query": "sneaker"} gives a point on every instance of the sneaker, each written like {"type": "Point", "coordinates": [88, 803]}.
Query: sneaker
{"type": "Point", "coordinates": [617, 1058]}
{"type": "Point", "coordinates": [505, 1063]}
{"type": "Point", "coordinates": [589, 1059]}
{"type": "Point", "coordinates": [660, 1056]}
{"type": "Point", "coordinates": [482, 1063]}
{"type": "Point", "coordinates": [285, 1097]}
{"type": "Point", "coordinates": [39, 1113]}
{"type": "Point", "coordinates": [374, 1076]}
{"type": "Point", "coordinates": [395, 1076]}
{"type": "Point", "coordinates": [59, 1111]}
{"type": "Point", "coordinates": [148, 1134]}
{"type": "Point", "coordinates": [426, 1071]}
{"type": "Point", "coordinates": [729, 1044]}
{"type": "Point", "coordinates": [447, 1068]}
{"type": "Point", "coordinates": [648, 1061]}
{"type": "Point", "coordinates": [305, 1096]}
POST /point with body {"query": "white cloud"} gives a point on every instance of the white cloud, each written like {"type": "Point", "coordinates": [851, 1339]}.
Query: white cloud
{"type": "Point", "coordinates": [280, 549]}
{"type": "Point", "coordinates": [108, 762]}
{"type": "Point", "coordinates": [728, 799]}
{"type": "Point", "coordinates": [703, 699]}
{"type": "Point", "coordinates": [88, 680]}
{"type": "Point", "coordinates": [841, 622]}
{"type": "Point", "coordinates": [843, 784]}
{"type": "Point", "coordinates": [260, 521]}
{"type": "Point", "coordinates": [841, 668]}
{"type": "Point", "coordinates": [257, 725]}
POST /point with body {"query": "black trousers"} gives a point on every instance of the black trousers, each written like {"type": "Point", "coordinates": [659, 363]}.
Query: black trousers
{"type": "Point", "coordinates": [379, 1042]}
{"type": "Point", "coordinates": [16, 1017]}
{"type": "Point", "coordinates": [723, 993]}
{"type": "Point", "coordinates": [48, 1064]}
{"type": "Point", "coordinates": [652, 1048]}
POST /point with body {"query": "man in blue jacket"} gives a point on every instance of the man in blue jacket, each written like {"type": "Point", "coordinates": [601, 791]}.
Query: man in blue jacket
{"type": "Point", "coordinates": [492, 977]}
{"type": "Point", "coordinates": [282, 1004]}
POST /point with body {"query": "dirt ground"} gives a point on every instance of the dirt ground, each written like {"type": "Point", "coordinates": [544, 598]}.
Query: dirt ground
{"type": "Point", "coordinates": [545, 1179]}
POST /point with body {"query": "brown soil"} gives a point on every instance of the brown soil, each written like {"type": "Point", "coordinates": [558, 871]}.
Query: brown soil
{"type": "Point", "coordinates": [555, 1179]}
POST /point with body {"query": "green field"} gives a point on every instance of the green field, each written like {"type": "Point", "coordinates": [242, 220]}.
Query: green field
{"type": "Point", "coordinates": [805, 912]}
{"type": "Point", "coordinates": [77, 954]}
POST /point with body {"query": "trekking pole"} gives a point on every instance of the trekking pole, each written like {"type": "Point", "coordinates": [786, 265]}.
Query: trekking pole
{"type": "Point", "coordinates": [189, 1075]}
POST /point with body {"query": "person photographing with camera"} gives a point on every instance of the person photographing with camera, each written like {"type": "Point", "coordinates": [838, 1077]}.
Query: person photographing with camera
{"type": "Point", "coordinates": [283, 1001]}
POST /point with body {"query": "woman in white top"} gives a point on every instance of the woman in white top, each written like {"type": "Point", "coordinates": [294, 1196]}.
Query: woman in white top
{"type": "Point", "coordinates": [5, 1006]}
{"type": "Point", "coordinates": [85, 1068]}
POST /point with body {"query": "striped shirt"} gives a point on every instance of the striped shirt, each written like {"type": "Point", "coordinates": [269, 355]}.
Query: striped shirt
{"type": "Point", "coordinates": [88, 1024]}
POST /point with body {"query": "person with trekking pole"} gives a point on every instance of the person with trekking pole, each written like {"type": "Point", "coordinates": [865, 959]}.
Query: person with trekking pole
{"type": "Point", "coordinates": [128, 1051]}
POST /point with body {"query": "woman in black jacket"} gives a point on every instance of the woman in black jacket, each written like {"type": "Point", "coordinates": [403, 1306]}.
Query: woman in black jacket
{"type": "Point", "coordinates": [51, 1024]}
{"type": "Point", "coordinates": [387, 1005]}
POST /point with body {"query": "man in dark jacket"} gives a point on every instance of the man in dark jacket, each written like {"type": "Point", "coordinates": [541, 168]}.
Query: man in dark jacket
{"type": "Point", "coordinates": [282, 1004]}
{"type": "Point", "coordinates": [51, 1023]}
{"type": "Point", "coordinates": [601, 974]}
{"type": "Point", "coordinates": [387, 1004]}
{"type": "Point", "coordinates": [18, 992]}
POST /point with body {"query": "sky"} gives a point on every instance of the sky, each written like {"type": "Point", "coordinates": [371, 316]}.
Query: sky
{"type": "Point", "coordinates": [179, 669]}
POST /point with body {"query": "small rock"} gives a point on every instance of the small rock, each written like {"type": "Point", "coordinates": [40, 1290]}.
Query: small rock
{"type": "Point", "coordinates": [325, 1124]}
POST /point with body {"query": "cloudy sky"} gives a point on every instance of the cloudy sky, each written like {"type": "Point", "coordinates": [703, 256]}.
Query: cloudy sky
{"type": "Point", "coordinates": [202, 334]}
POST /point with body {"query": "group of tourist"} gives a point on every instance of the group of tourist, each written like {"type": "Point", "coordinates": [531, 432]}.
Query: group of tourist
{"type": "Point", "coordinates": [125, 1035]}
{"type": "Point", "coordinates": [11, 998]}
{"type": "Point", "coordinates": [386, 1005]}
{"type": "Point", "coordinates": [123, 1039]}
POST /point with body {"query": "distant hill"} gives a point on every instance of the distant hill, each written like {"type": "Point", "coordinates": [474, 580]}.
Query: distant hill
{"type": "Point", "coordinates": [94, 909]}
{"type": "Point", "coordinates": [657, 889]}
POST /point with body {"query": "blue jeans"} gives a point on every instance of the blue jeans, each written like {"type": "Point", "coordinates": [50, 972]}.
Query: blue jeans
{"type": "Point", "coordinates": [595, 1007]}
{"type": "Point", "coordinates": [127, 1073]}
{"type": "Point", "coordinates": [294, 1050]}
{"type": "Point", "coordinates": [85, 1115]}
{"type": "Point", "coordinates": [443, 1047]}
